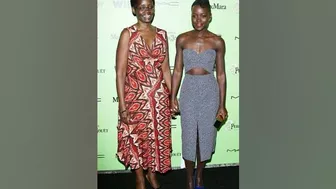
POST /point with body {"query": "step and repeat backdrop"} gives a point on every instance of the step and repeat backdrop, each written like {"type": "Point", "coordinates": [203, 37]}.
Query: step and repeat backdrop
{"type": "Point", "coordinates": [175, 17]}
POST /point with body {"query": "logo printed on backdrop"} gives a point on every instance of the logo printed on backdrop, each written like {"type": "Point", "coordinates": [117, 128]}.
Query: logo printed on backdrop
{"type": "Point", "coordinates": [127, 3]}
{"type": "Point", "coordinates": [218, 6]}
{"type": "Point", "coordinates": [232, 150]}
{"type": "Point", "coordinates": [178, 154]}
{"type": "Point", "coordinates": [99, 100]}
{"type": "Point", "coordinates": [167, 3]}
{"type": "Point", "coordinates": [102, 130]}
{"type": "Point", "coordinates": [231, 126]}
{"type": "Point", "coordinates": [171, 36]}
{"type": "Point", "coordinates": [236, 38]}
{"type": "Point", "coordinates": [101, 71]}
{"type": "Point", "coordinates": [234, 97]}
{"type": "Point", "coordinates": [121, 4]}
{"type": "Point", "coordinates": [234, 69]}
{"type": "Point", "coordinates": [173, 126]}
{"type": "Point", "coordinates": [101, 156]}
{"type": "Point", "coordinates": [114, 36]}
{"type": "Point", "coordinates": [115, 99]}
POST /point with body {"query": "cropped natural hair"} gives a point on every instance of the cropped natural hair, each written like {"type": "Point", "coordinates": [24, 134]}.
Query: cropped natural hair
{"type": "Point", "coordinates": [203, 4]}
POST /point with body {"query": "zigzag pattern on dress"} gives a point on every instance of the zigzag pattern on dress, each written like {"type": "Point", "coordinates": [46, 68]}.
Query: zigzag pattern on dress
{"type": "Point", "coordinates": [146, 141]}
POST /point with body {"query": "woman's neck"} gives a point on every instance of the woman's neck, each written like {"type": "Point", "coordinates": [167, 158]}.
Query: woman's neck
{"type": "Point", "coordinates": [144, 26]}
{"type": "Point", "coordinates": [201, 33]}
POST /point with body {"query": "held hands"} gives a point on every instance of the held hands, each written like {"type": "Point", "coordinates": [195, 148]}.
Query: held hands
{"type": "Point", "coordinates": [174, 107]}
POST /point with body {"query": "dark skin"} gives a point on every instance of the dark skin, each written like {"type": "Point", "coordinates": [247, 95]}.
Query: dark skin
{"type": "Point", "coordinates": [144, 11]}
{"type": "Point", "coordinates": [200, 39]}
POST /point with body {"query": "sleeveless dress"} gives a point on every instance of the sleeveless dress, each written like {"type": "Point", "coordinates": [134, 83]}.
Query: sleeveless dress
{"type": "Point", "coordinates": [146, 141]}
{"type": "Point", "coordinates": [199, 102]}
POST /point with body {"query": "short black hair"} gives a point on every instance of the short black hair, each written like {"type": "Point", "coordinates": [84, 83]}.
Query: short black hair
{"type": "Point", "coordinates": [203, 4]}
{"type": "Point", "coordinates": [134, 3]}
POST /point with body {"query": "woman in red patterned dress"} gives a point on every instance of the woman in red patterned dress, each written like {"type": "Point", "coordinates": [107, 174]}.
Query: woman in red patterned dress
{"type": "Point", "coordinates": [143, 86]}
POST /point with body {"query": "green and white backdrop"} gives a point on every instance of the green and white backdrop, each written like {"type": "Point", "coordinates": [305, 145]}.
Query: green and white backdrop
{"type": "Point", "coordinates": [175, 17]}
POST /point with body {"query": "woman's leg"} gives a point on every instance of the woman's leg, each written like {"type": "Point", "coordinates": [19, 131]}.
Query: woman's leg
{"type": "Point", "coordinates": [190, 165]}
{"type": "Point", "coordinates": [152, 179]}
{"type": "Point", "coordinates": [139, 178]}
{"type": "Point", "coordinates": [200, 166]}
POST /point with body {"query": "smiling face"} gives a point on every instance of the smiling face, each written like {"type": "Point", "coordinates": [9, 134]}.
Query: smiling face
{"type": "Point", "coordinates": [144, 11]}
{"type": "Point", "coordinates": [200, 17]}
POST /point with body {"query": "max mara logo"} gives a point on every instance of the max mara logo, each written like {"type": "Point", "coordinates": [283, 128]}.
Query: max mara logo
{"type": "Point", "coordinates": [218, 6]}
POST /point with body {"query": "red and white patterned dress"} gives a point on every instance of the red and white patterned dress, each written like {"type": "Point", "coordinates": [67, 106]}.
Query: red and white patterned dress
{"type": "Point", "coordinates": [146, 141]}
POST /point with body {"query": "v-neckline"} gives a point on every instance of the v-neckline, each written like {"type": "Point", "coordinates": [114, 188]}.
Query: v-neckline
{"type": "Point", "coordinates": [150, 48]}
